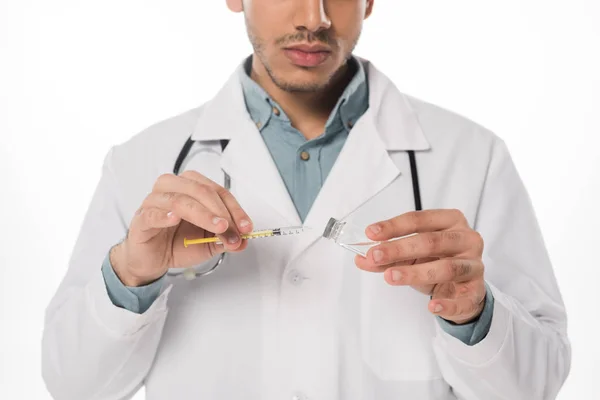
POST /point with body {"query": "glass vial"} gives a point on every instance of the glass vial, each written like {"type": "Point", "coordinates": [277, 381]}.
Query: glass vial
{"type": "Point", "coordinates": [348, 236]}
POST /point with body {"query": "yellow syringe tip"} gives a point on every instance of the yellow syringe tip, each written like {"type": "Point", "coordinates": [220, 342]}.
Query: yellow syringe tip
{"type": "Point", "coordinates": [255, 234]}
{"type": "Point", "coordinates": [187, 242]}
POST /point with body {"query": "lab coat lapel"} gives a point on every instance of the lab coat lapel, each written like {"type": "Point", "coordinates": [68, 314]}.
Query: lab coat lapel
{"type": "Point", "coordinates": [249, 163]}
{"type": "Point", "coordinates": [364, 166]}
{"type": "Point", "coordinates": [246, 159]}
{"type": "Point", "coordinates": [362, 169]}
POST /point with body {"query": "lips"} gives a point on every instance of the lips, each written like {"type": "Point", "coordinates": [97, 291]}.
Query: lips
{"type": "Point", "coordinates": [309, 48]}
{"type": "Point", "coordinates": [307, 55]}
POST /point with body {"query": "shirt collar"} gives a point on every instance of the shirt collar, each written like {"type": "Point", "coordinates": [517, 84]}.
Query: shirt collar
{"type": "Point", "coordinates": [258, 102]}
{"type": "Point", "coordinates": [351, 105]}
{"type": "Point", "coordinates": [392, 115]}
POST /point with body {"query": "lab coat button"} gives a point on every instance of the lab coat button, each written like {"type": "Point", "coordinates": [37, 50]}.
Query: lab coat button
{"type": "Point", "coordinates": [295, 278]}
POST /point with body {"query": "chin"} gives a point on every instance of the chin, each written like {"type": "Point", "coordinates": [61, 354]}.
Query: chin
{"type": "Point", "coordinates": [302, 85]}
{"type": "Point", "coordinates": [298, 79]}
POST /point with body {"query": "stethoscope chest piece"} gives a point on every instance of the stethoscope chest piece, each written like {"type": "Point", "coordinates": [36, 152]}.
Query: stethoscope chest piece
{"type": "Point", "coordinates": [189, 274]}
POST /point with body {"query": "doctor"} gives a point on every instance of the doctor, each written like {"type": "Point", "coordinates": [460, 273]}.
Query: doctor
{"type": "Point", "coordinates": [468, 308]}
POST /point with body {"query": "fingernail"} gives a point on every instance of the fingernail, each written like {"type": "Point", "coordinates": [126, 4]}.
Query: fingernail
{"type": "Point", "coordinates": [244, 223]}
{"type": "Point", "coordinates": [377, 255]}
{"type": "Point", "coordinates": [396, 275]}
{"type": "Point", "coordinates": [169, 214]}
{"type": "Point", "coordinates": [375, 229]}
{"type": "Point", "coordinates": [233, 239]}
{"type": "Point", "coordinates": [219, 247]}
{"type": "Point", "coordinates": [216, 220]}
{"type": "Point", "coordinates": [438, 308]}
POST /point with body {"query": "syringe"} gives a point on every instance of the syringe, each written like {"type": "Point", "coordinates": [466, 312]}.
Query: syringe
{"type": "Point", "coordinates": [283, 231]}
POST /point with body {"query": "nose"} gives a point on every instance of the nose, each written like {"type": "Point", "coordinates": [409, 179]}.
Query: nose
{"type": "Point", "coordinates": [310, 15]}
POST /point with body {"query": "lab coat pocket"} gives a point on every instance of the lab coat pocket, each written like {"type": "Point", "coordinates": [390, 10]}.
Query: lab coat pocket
{"type": "Point", "coordinates": [396, 331]}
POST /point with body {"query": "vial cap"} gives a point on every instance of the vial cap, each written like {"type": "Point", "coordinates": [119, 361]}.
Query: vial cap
{"type": "Point", "coordinates": [329, 228]}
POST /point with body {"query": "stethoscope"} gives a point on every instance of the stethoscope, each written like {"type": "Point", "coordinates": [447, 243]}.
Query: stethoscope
{"type": "Point", "coordinates": [193, 272]}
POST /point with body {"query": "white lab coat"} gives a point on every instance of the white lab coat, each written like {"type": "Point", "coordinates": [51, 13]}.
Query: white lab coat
{"type": "Point", "coordinates": [293, 317]}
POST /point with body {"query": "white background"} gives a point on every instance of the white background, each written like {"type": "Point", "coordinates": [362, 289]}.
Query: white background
{"type": "Point", "coordinates": [79, 76]}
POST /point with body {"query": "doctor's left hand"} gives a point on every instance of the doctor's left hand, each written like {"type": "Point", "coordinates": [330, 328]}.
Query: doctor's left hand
{"type": "Point", "coordinates": [442, 260]}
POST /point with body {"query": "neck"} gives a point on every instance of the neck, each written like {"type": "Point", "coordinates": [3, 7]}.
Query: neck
{"type": "Point", "coordinates": [307, 111]}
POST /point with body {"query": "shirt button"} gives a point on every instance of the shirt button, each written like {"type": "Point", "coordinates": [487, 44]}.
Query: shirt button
{"type": "Point", "coordinates": [350, 124]}
{"type": "Point", "coordinates": [258, 125]}
{"type": "Point", "coordinates": [295, 278]}
{"type": "Point", "coordinates": [276, 111]}
{"type": "Point", "coordinates": [304, 155]}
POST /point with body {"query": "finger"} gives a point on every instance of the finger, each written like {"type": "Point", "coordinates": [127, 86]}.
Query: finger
{"type": "Point", "coordinates": [147, 222]}
{"type": "Point", "coordinates": [205, 195]}
{"type": "Point", "coordinates": [218, 248]}
{"type": "Point", "coordinates": [366, 265]}
{"type": "Point", "coordinates": [211, 200]}
{"type": "Point", "coordinates": [188, 209]}
{"type": "Point", "coordinates": [156, 218]}
{"type": "Point", "coordinates": [439, 271]}
{"type": "Point", "coordinates": [416, 222]}
{"type": "Point", "coordinates": [205, 191]}
{"type": "Point", "coordinates": [428, 244]}
{"type": "Point", "coordinates": [461, 308]}
{"type": "Point", "coordinates": [240, 217]}
{"type": "Point", "coordinates": [243, 245]}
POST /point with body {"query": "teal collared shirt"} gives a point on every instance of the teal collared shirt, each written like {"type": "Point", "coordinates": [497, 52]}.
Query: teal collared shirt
{"type": "Point", "coordinates": [304, 165]}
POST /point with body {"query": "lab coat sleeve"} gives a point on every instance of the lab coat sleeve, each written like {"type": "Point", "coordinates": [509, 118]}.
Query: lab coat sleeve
{"type": "Point", "coordinates": [92, 349]}
{"type": "Point", "coordinates": [526, 353]}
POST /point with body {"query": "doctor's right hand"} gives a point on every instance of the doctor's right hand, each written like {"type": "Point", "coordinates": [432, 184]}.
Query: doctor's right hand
{"type": "Point", "coordinates": [189, 205]}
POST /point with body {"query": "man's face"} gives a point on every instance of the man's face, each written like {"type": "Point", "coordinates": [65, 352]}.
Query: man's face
{"type": "Point", "coordinates": [303, 43]}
